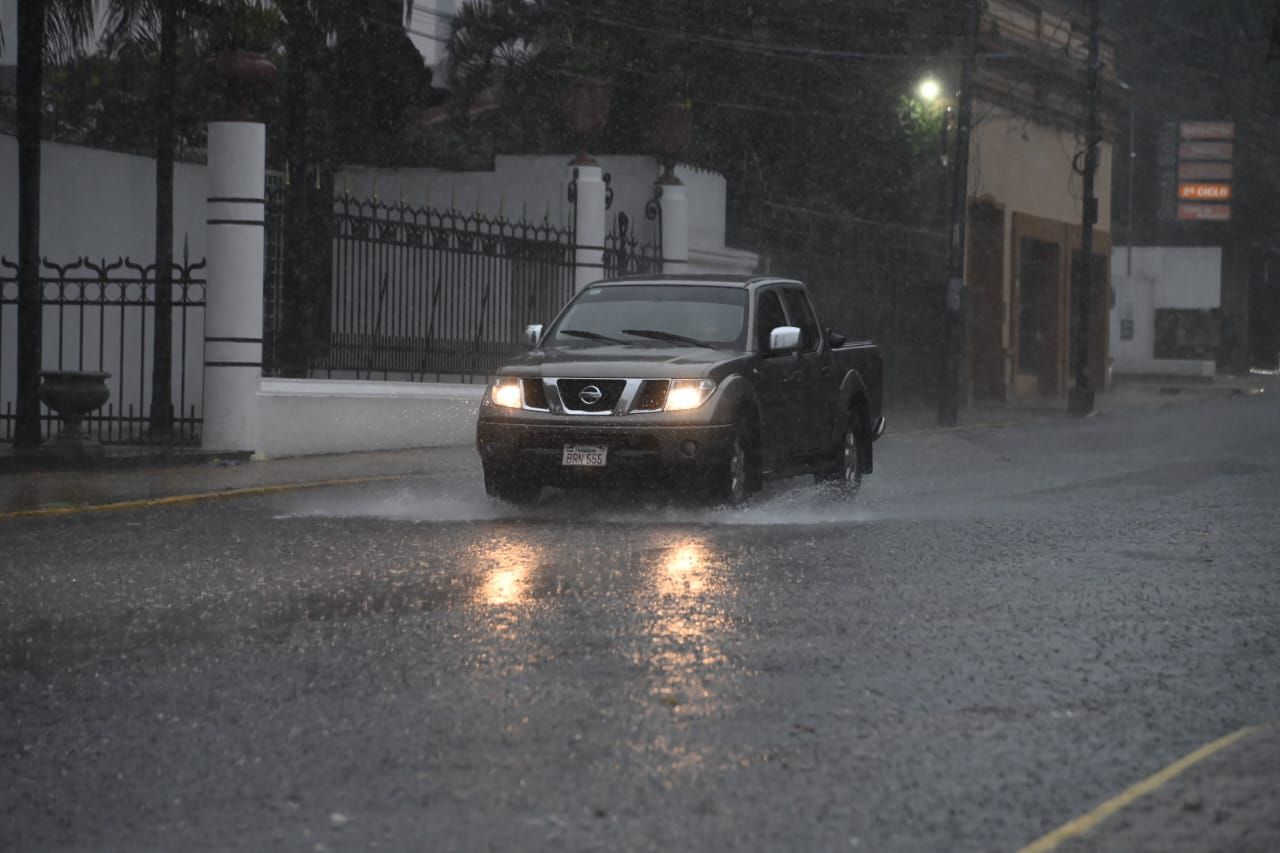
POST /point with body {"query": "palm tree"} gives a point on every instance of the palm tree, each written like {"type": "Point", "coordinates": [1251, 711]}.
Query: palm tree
{"type": "Point", "coordinates": [308, 26]}
{"type": "Point", "coordinates": [154, 21]}
{"type": "Point", "coordinates": [159, 23]}
{"type": "Point", "coordinates": [52, 27]}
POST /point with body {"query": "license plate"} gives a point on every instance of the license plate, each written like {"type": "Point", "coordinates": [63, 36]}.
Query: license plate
{"type": "Point", "coordinates": [592, 455]}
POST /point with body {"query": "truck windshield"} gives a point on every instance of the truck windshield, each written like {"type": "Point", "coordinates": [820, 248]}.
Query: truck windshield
{"type": "Point", "coordinates": [686, 313]}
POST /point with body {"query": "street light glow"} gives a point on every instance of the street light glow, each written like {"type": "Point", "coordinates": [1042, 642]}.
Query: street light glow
{"type": "Point", "coordinates": [929, 90]}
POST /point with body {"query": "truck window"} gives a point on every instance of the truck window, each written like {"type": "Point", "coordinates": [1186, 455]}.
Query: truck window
{"type": "Point", "coordinates": [801, 314]}
{"type": "Point", "coordinates": [716, 315]}
{"type": "Point", "coordinates": [769, 316]}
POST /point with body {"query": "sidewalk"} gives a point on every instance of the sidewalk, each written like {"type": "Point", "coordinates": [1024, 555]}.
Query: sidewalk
{"type": "Point", "coordinates": [1126, 393]}
{"type": "Point", "coordinates": [141, 475]}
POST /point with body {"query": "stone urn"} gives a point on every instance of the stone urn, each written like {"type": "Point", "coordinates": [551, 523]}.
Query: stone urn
{"type": "Point", "coordinates": [72, 394]}
{"type": "Point", "coordinates": [586, 108]}
{"type": "Point", "coordinates": [244, 77]}
{"type": "Point", "coordinates": [673, 130]}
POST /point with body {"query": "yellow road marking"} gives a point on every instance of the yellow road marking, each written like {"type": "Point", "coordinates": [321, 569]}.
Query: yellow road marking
{"type": "Point", "coordinates": [1086, 822]}
{"type": "Point", "coordinates": [175, 500]}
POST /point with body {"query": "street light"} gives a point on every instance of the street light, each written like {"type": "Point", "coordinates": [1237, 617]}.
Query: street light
{"type": "Point", "coordinates": [929, 90]}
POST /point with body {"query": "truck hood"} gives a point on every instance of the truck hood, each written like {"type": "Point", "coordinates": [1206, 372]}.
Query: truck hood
{"type": "Point", "coordinates": [620, 362]}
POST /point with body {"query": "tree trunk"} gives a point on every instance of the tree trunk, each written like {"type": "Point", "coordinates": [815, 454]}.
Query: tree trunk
{"type": "Point", "coordinates": [31, 31]}
{"type": "Point", "coordinates": [162, 362]}
{"type": "Point", "coordinates": [304, 40]}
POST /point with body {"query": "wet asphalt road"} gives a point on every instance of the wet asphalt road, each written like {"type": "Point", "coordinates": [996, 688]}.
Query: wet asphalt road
{"type": "Point", "coordinates": [1009, 627]}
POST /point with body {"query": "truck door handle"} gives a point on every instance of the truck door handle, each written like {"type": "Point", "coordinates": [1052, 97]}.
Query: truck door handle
{"type": "Point", "coordinates": [826, 370]}
{"type": "Point", "coordinates": [795, 376]}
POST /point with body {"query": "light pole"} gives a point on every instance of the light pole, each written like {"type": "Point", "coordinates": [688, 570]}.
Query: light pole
{"type": "Point", "coordinates": [953, 318]}
{"type": "Point", "coordinates": [1080, 398]}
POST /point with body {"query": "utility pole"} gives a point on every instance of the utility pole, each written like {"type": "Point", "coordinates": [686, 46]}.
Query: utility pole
{"type": "Point", "coordinates": [1080, 400]}
{"type": "Point", "coordinates": [954, 334]}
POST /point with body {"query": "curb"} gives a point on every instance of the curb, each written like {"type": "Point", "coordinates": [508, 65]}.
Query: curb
{"type": "Point", "coordinates": [43, 460]}
{"type": "Point", "coordinates": [200, 497]}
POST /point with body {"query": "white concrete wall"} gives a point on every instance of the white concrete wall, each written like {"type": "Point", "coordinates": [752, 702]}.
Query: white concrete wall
{"type": "Point", "coordinates": [429, 31]}
{"type": "Point", "coordinates": [309, 416]}
{"type": "Point", "coordinates": [1027, 167]}
{"type": "Point", "coordinates": [100, 204]}
{"type": "Point", "coordinates": [536, 187]}
{"type": "Point", "coordinates": [1147, 278]}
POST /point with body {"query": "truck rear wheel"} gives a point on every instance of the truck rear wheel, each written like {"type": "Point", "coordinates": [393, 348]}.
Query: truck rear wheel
{"type": "Point", "coordinates": [845, 476]}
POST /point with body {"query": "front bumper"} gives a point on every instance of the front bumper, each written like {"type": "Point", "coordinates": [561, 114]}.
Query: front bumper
{"type": "Point", "coordinates": [664, 455]}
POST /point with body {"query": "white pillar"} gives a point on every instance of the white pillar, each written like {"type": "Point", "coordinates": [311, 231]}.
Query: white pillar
{"type": "Point", "coordinates": [590, 223]}
{"type": "Point", "coordinates": [675, 225]}
{"type": "Point", "coordinates": [233, 298]}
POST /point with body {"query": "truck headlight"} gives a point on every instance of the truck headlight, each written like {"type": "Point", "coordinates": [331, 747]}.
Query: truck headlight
{"type": "Point", "coordinates": [506, 392]}
{"type": "Point", "coordinates": [688, 394]}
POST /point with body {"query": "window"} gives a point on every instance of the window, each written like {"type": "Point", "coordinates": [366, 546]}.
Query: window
{"type": "Point", "coordinates": [769, 316]}
{"type": "Point", "coordinates": [801, 314]}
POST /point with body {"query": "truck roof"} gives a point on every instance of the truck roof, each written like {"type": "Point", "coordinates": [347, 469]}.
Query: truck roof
{"type": "Point", "coordinates": [696, 278]}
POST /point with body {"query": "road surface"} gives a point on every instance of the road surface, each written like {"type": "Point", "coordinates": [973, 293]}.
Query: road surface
{"type": "Point", "coordinates": [1008, 630]}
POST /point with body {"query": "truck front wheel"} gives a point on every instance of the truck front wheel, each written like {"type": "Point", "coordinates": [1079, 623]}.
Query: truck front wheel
{"type": "Point", "coordinates": [507, 488]}
{"type": "Point", "coordinates": [730, 480]}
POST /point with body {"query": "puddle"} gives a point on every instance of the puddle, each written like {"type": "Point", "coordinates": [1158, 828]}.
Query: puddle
{"type": "Point", "coordinates": [785, 503]}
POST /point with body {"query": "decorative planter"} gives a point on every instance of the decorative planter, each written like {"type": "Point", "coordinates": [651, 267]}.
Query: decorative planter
{"type": "Point", "coordinates": [72, 394]}
{"type": "Point", "coordinates": [673, 130]}
{"type": "Point", "coordinates": [586, 108]}
{"type": "Point", "coordinates": [244, 78]}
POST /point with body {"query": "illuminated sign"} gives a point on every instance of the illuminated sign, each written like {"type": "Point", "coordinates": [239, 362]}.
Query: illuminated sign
{"type": "Point", "coordinates": [1209, 171]}
{"type": "Point", "coordinates": [1204, 212]}
{"type": "Point", "coordinates": [1205, 151]}
{"type": "Point", "coordinates": [1204, 192]}
{"type": "Point", "coordinates": [1208, 130]}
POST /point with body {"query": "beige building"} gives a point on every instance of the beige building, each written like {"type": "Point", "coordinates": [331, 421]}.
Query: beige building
{"type": "Point", "coordinates": [1026, 198]}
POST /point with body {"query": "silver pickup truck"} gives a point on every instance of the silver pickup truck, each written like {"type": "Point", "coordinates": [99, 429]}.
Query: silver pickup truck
{"type": "Point", "coordinates": [706, 383]}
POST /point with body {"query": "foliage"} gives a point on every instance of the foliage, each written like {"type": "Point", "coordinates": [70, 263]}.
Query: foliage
{"type": "Point", "coordinates": [251, 25]}
{"type": "Point", "coordinates": [796, 101]}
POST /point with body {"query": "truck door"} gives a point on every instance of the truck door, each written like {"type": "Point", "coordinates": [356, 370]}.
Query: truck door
{"type": "Point", "coordinates": [781, 417]}
{"type": "Point", "coordinates": [814, 391]}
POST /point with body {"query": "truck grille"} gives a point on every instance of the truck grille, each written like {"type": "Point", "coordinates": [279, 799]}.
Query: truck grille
{"type": "Point", "coordinates": [579, 395]}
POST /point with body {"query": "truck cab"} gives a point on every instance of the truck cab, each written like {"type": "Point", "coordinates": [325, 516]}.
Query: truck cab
{"type": "Point", "coordinates": [704, 383]}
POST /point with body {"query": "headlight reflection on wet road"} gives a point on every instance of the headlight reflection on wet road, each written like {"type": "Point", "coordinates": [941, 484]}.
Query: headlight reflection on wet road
{"type": "Point", "coordinates": [508, 566]}
{"type": "Point", "coordinates": [690, 622]}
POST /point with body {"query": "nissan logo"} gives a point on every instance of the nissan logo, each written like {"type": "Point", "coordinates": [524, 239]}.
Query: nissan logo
{"type": "Point", "coordinates": [590, 395]}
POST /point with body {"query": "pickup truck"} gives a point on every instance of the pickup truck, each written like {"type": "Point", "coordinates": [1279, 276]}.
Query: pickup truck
{"type": "Point", "coordinates": [710, 384]}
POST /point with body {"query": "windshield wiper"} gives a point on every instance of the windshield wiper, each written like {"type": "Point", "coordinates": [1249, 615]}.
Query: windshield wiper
{"type": "Point", "coordinates": [670, 337]}
{"type": "Point", "coordinates": [591, 336]}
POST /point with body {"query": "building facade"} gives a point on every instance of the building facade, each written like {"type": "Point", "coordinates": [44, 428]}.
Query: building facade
{"type": "Point", "coordinates": [1026, 201]}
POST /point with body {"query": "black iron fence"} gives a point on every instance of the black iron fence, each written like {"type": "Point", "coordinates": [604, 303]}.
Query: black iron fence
{"type": "Point", "coordinates": [869, 280]}
{"type": "Point", "coordinates": [421, 294]}
{"type": "Point", "coordinates": [101, 317]}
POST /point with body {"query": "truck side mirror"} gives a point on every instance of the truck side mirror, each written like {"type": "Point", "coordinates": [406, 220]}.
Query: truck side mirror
{"type": "Point", "coordinates": [532, 333]}
{"type": "Point", "coordinates": [784, 339]}
{"type": "Point", "coordinates": [836, 339]}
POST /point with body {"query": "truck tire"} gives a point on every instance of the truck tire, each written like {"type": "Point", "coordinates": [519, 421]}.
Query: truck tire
{"type": "Point", "coordinates": [504, 487]}
{"type": "Point", "coordinates": [845, 475]}
{"type": "Point", "coordinates": [730, 480]}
